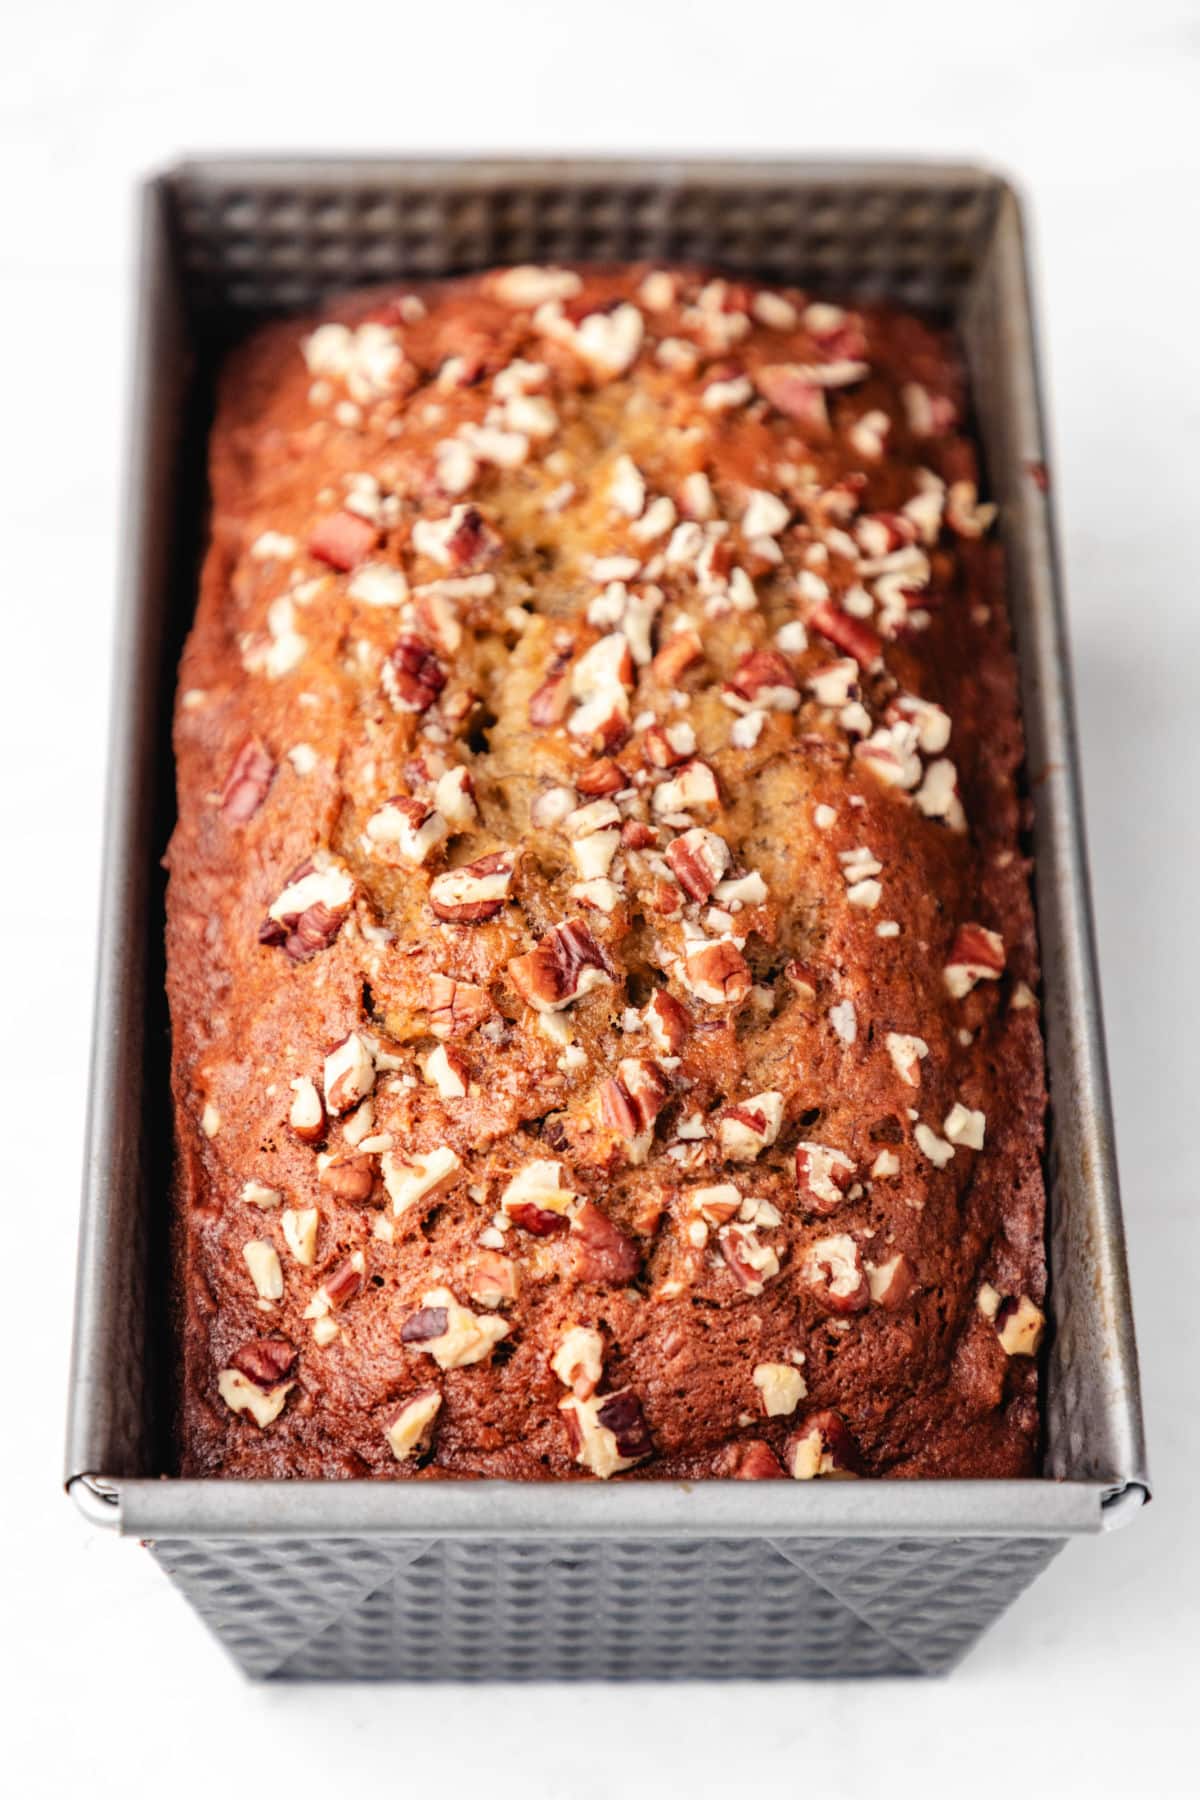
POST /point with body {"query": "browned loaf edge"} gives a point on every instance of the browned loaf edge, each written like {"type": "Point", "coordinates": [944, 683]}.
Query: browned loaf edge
{"type": "Point", "coordinates": [600, 948]}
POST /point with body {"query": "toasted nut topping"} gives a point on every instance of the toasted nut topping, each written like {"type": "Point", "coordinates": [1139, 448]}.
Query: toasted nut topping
{"type": "Point", "coordinates": [698, 860]}
{"type": "Point", "coordinates": [339, 1288]}
{"type": "Point", "coordinates": [266, 1272]}
{"type": "Point", "coordinates": [456, 1008]}
{"type": "Point", "coordinates": [311, 910]}
{"type": "Point", "coordinates": [300, 1227]}
{"type": "Point", "coordinates": [343, 540]}
{"type": "Point", "coordinates": [890, 1282]}
{"type": "Point", "coordinates": [750, 1127]}
{"type": "Point", "coordinates": [667, 1021]}
{"type": "Point", "coordinates": [565, 965]}
{"type": "Point", "coordinates": [538, 1199]}
{"type": "Point", "coordinates": [409, 1431]}
{"type": "Point", "coordinates": [822, 1177]}
{"type": "Point", "coordinates": [717, 973]}
{"type": "Point", "coordinates": [349, 1178]}
{"type": "Point", "coordinates": [349, 1074]}
{"type": "Point", "coordinates": [306, 1116]}
{"type": "Point", "coordinates": [977, 955]}
{"type": "Point", "coordinates": [412, 676]}
{"type": "Point", "coordinates": [964, 1126]}
{"type": "Point", "coordinates": [753, 1263]}
{"type": "Point", "coordinates": [694, 787]}
{"type": "Point", "coordinates": [822, 1446]}
{"type": "Point", "coordinates": [247, 783]}
{"type": "Point", "coordinates": [265, 1361]}
{"type": "Point", "coordinates": [254, 1193]}
{"type": "Point", "coordinates": [409, 1179]}
{"type": "Point", "coordinates": [906, 1053]}
{"type": "Point", "coordinates": [1019, 1326]}
{"type": "Point", "coordinates": [579, 1361]}
{"type": "Point", "coordinates": [782, 1387]}
{"type": "Point", "coordinates": [453, 1335]}
{"type": "Point", "coordinates": [750, 1460]}
{"type": "Point", "coordinates": [240, 1394]}
{"type": "Point", "coordinates": [764, 680]}
{"type": "Point", "coordinates": [832, 1268]}
{"type": "Point", "coordinates": [493, 1280]}
{"type": "Point", "coordinates": [600, 1250]}
{"type": "Point", "coordinates": [474, 892]}
{"type": "Point", "coordinates": [607, 1432]}
{"type": "Point", "coordinates": [406, 832]}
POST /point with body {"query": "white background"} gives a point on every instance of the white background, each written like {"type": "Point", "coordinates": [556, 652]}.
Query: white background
{"type": "Point", "coordinates": [1090, 1683]}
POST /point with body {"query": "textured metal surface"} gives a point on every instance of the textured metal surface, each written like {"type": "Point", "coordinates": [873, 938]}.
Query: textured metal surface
{"type": "Point", "coordinates": [649, 1608]}
{"type": "Point", "coordinates": [270, 236]}
{"type": "Point", "coordinates": [336, 1579]}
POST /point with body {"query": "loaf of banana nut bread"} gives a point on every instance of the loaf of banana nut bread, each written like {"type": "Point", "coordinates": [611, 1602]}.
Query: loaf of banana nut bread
{"type": "Point", "coordinates": [600, 949]}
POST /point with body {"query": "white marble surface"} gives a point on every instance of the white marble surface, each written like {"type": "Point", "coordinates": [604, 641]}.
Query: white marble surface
{"type": "Point", "coordinates": [1089, 1684]}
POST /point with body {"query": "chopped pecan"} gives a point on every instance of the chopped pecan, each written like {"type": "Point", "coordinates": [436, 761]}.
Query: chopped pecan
{"type": "Point", "coordinates": [349, 1074]}
{"type": "Point", "coordinates": [413, 677]}
{"type": "Point", "coordinates": [1019, 1326]}
{"type": "Point", "coordinates": [345, 1281]}
{"type": "Point", "coordinates": [579, 1361]}
{"type": "Point", "coordinates": [474, 891]}
{"type": "Point", "coordinates": [405, 831]}
{"type": "Point", "coordinates": [681, 650]}
{"type": "Point", "coordinates": [976, 955]}
{"type": "Point", "coordinates": [306, 1115]}
{"type": "Point", "coordinates": [833, 1270]}
{"type": "Point", "coordinates": [781, 1387]}
{"type": "Point", "coordinates": [456, 1008]}
{"type": "Point", "coordinates": [717, 973]}
{"type": "Point", "coordinates": [763, 678]}
{"type": "Point", "coordinates": [631, 1100]}
{"type": "Point", "coordinates": [409, 1431]}
{"type": "Point", "coordinates": [429, 1322]}
{"type": "Point", "coordinates": [621, 1413]}
{"type": "Point", "coordinates": [822, 1176]}
{"type": "Point", "coordinates": [343, 540]}
{"type": "Point", "coordinates": [265, 1361]}
{"type": "Point", "coordinates": [822, 1446]}
{"type": "Point", "coordinates": [493, 1279]}
{"type": "Point", "coordinates": [565, 964]}
{"type": "Point", "coordinates": [601, 1251]}
{"type": "Point", "coordinates": [665, 747]}
{"type": "Point", "coordinates": [753, 1263]}
{"type": "Point", "coordinates": [853, 636]}
{"type": "Point", "coordinates": [698, 859]}
{"type": "Point", "coordinates": [791, 390]}
{"type": "Point", "coordinates": [749, 1460]}
{"type": "Point", "coordinates": [310, 911]}
{"type": "Point", "coordinates": [247, 782]}
{"type": "Point", "coordinates": [548, 703]}
{"type": "Point", "coordinates": [694, 785]}
{"type": "Point", "coordinates": [349, 1178]}
{"type": "Point", "coordinates": [667, 1020]}
{"type": "Point", "coordinates": [461, 541]}
{"type": "Point", "coordinates": [538, 1200]}
{"type": "Point", "coordinates": [890, 1282]}
{"type": "Point", "coordinates": [607, 1433]}
{"type": "Point", "coordinates": [453, 1335]}
{"type": "Point", "coordinates": [601, 777]}
{"type": "Point", "coordinates": [750, 1127]}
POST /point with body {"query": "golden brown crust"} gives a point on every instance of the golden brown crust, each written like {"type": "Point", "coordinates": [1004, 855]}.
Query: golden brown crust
{"type": "Point", "coordinates": [599, 937]}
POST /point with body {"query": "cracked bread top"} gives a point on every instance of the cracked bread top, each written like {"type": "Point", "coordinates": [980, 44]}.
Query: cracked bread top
{"type": "Point", "coordinates": [600, 951]}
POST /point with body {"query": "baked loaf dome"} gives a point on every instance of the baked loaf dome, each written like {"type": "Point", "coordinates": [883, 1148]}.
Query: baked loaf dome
{"type": "Point", "coordinates": [600, 948]}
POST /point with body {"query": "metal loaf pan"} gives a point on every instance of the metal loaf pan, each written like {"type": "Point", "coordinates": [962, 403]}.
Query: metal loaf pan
{"type": "Point", "coordinates": [636, 1579]}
